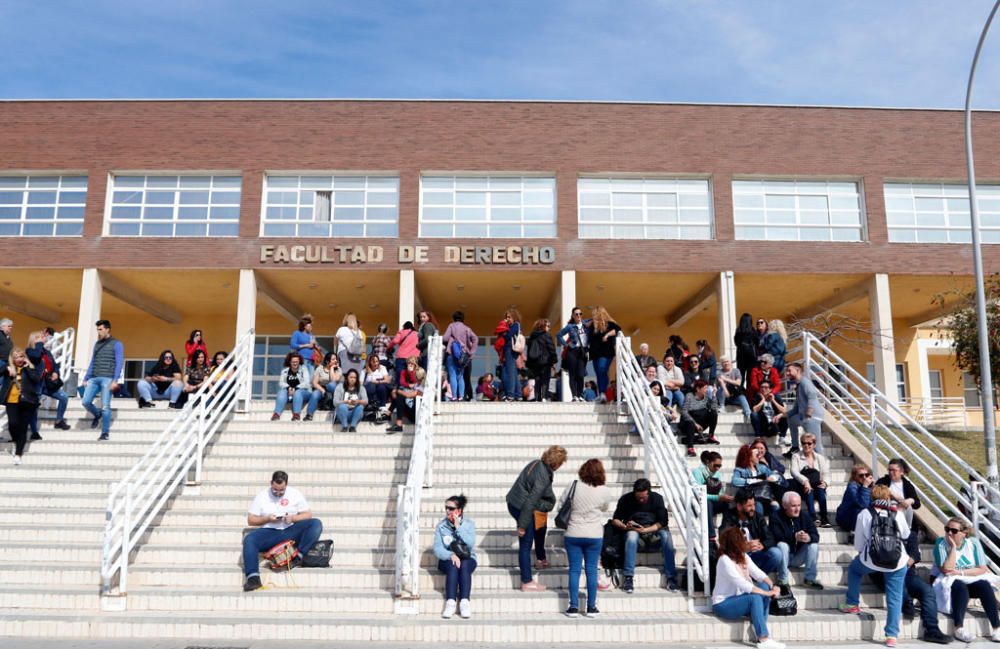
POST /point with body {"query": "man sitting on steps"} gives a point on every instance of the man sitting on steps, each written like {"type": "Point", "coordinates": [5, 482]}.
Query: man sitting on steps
{"type": "Point", "coordinates": [797, 539]}
{"type": "Point", "coordinates": [641, 513]}
{"type": "Point", "coordinates": [763, 551]}
{"type": "Point", "coordinates": [282, 514]}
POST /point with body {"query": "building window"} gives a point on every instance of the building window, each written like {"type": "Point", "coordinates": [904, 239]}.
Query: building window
{"type": "Point", "coordinates": [644, 208]}
{"type": "Point", "coordinates": [938, 213]}
{"type": "Point", "coordinates": [970, 391]}
{"type": "Point", "coordinates": [174, 206]}
{"type": "Point", "coordinates": [42, 206]}
{"type": "Point", "coordinates": [900, 378]}
{"type": "Point", "coordinates": [487, 206]}
{"type": "Point", "coordinates": [331, 206]}
{"type": "Point", "coordinates": [797, 210]}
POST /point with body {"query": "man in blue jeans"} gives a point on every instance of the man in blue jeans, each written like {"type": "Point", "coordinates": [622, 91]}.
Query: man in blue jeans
{"type": "Point", "coordinates": [641, 513]}
{"type": "Point", "coordinates": [106, 364]}
{"type": "Point", "coordinates": [282, 514]}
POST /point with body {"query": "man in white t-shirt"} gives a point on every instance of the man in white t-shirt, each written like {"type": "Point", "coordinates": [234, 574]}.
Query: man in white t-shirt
{"type": "Point", "coordinates": [282, 514]}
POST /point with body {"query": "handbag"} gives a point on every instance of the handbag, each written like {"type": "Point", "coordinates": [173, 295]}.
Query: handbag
{"type": "Point", "coordinates": [281, 555]}
{"type": "Point", "coordinates": [562, 517]}
{"type": "Point", "coordinates": [784, 604]}
{"type": "Point", "coordinates": [713, 485]}
{"type": "Point", "coordinates": [319, 555]}
{"type": "Point", "coordinates": [460, 548]}
{"type": "Point", "coordinates": [762, 490]}
{"type": "Point", "coordinates": [812, 475]}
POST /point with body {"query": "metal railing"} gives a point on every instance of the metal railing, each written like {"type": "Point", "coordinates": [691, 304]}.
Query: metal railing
{"type": "Point", "coordinates": [942, 413]}
{"type": "Point", "coordinates": [61, 347]}
{"type": "Point", "coordinates": [419, 476]}
{"type": "Point", "coordinates": [685, 498]}
{"type": "Point", "coordinates": [138, 498]}
{"type": "Point", "coordinates": [941, 477]}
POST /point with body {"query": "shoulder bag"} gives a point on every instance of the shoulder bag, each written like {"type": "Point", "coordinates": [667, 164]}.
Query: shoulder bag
{"type": "Point", "coordinates": [562, 518]}
{"type": "Point", "coordinates": [784, 604]}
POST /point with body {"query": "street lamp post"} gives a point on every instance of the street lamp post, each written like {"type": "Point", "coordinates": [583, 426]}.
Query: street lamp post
{"type": "Point", "coordinates": [985, 375]}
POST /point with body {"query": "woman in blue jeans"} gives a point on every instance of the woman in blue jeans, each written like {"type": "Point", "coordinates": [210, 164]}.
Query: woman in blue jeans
{"type": "Point", "coordinates": [512, 317]}
{"type": "Point", "coordinates": [531, 492]}
{"type": "Point", "coordinates": [454, 547]}
{"type": "Point", "coordinates": [590, 502]}
{"type": "Point", "coordinates": [602, 334]}
{"type": "Point", "coordinates": [742, 589]}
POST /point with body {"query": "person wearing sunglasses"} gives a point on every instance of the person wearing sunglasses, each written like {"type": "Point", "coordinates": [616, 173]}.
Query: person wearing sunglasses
{"type": "Point", "coordinates": [163, 381]}
{"type": "Point", "coordinates": [961, 573]}
{"type": "Point", "coordinates": [857, 497]}
{"type": "Point", "coordinates": [809, 469]}
{"type": "Point", "coordinates": [763, 372]}
{"type": "Point", "coordinates": [454, 547]}
{"type": "Point", "coordinates": [574, 341]}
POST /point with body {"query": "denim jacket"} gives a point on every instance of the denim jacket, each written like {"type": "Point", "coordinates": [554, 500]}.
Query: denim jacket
{"type": "Point", "coordinates": [573, 332]}
{"type": "Point", "coordinates": [445, 534]}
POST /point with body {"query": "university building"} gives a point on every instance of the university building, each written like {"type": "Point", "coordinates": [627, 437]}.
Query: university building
{"type": "Point", "coordinates": [168, 216]}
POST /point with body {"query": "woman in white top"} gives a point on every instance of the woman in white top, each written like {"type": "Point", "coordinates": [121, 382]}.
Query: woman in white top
{"type": "Point", "coordinates": [961, 572]}
{"type": "Point", "coordinates": [591, 501]}
{"type": "Point", "coordinates": [350, 339]}
{"type": "Point", "coordinates": [812, 485]}
{"type": "Point", "coordinates": [882, 505]}
{"type": "Point", "coordinates": [741, 588]}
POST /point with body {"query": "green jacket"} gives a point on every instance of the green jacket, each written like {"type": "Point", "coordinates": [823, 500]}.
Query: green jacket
{"type": "Point", "coordinates": [532, 491]}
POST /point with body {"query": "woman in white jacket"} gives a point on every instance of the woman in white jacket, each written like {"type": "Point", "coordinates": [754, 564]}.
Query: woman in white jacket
{"type": "Point", "coordinates": [742, 589]}
{"type": "Point", "coordinates": [809, 470]}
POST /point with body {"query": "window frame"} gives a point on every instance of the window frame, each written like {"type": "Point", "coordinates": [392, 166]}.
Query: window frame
{"type": "Point", "coordinates": [56, 206]}
{"type": "Point", "coordinates": [798, 225]}
{"type": "Point", "coordinates": [488, 177]}
{"type": "Point", "coordinates": [333, 176]}
{"type": "Point", "coordinates": [945, 192]}
{"type": "Point", "coordinates": [678, 225]}
{"type": "Point", "coordinates": [112, 187]}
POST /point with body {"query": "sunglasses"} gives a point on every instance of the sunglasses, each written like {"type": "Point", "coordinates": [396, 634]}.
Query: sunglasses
{"type": "Point", "coordinates": [761, 322]}
{"type": "Point", "coordinates": [952, 530]}
{"type": "Point", "coordinates": [809, 443]}
{"type": "Point", "coordinates": [864, 475]}
{"type": "Point", "coordinates": [448, 508]}
{"type": "Point", "coordinates": [577, 313]}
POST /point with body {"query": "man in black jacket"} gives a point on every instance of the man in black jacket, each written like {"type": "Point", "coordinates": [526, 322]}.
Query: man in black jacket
{"type": "Point", "coordinates": [762, 552]}
{"type": "Point", "coordinates": [641, 513]}
{"type": "Point", "coordinates": [796, 537]}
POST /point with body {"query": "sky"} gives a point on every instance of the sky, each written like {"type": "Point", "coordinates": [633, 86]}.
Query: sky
{"type": "Point", "coordinates": [910, 53]}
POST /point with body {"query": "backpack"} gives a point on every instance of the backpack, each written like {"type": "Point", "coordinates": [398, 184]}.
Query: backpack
{"type": "Point", "coordinates": [461, 358]}
{"type": "Point", "coordinates": [536, 351]}
{"type": "Point", "coordinates": [885, 547]}
{"type": "Point", "coordinates": [357, 345]}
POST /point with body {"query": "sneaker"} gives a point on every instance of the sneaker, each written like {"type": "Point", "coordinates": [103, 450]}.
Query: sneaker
{"type": "Point", "coordinates": [343, 429]}
{"type": "Point", "coordinates": [850, 609]}
{"type": "Point", "coordinates": [449, 609]}
{"type": "Point", "coordinates": [35, 437]}
{"type": "Point", "coordinates": [541, 564]}
{"type": "Point", "coordinates": [352, 429]}
{"type": "Point", "coordinates": [790, 452]}
{"type": "Point", "coordinates": [393, 429]}
{"type": "Point", "coordinates": [890, 641]}
{"type": "Point", "coordinates": [465, 609]}
{"type": "Point", "coordinates": [935, 636]}
{"type": "Point", "coordinates": [962, 635]}
{"type": "Point", "coordinates": [61, 425]}
{"type": "Point", "coordinates": [592, 612]}
{"type": "Point", "coordinates": [307, 418]}
{"type": "Point", "coordinates": [812, 583]}
{"type": "Point", "coordinates": [713, 440]}
{"type": "Point", "coordinates": [275, 416]}
{"type": "Point", "coordinates": [995, 635]}
{"type": "Point", "coordinates": [691, 451]}
{"type": "Point", "coordinates": [770, 644]}
{"type": "Point", "coordinates": [96, 421]}
{"type": "Point", "coordinates": [146, 404]}
{"type": "Point", "coordinates": [252, 583]}
{"type": "Point", "coordinates": [296, 417]}
{"type": "Point", "coordinates": [103, 438]}
{"type": "Point", "coordinates": [824, 522]}
{"type": "Point", "coordinates": [672, 584]}
{"type": "Point", "coordinates": [175, 406]}
{"type": "Point", "coordinates": [572, 611]}
{"type": "Point", "coordinates": [17, 460]}
{"type": "Point", "coordinates": [532, 587]}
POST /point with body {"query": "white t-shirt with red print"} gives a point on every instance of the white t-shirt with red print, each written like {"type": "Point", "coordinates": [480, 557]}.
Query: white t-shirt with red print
{"type": "Point", "coordinates": [267, 504]}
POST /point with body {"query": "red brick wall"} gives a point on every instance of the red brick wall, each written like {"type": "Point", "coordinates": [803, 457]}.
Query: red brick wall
{"type": "Point", "coordinates": [565, 139]}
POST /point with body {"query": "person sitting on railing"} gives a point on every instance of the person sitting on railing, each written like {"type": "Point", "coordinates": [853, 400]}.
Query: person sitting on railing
{"type": "Point", "coordinates": [283, 514]}
{"type": "Point", "coordinates": [672, 378]}
{"type": "Point", "coordinates": [902, 489]}
{"type": "Point", "coordinates": [377, 382]}
{"type": "Point", "coordinates": [763, 372]}
{"type": "Point", "coordinates": [694, 374]}
{"type": "Point", "coordinates": [530, 493]}
{"type": "Point", "coordinates": [350, 400]}
{"type": "Point", "coordinates": [807, 412]}
{"type": "Point", "coordinates": [699, 412]}
{"type": "Point", "coordinates": [710, 475]}
{"type": "Point", "coordinates": [961, 572]}
{"type": "Point", "coordinates": [809, 470]}
{"type": "Point", "coordinates": [753, 474]}
{"type": "Point", "coordinates": [455, 550]}
{"type": "Point", "coordinates": [163, 381]}
{"type": "Point", "coordinates": [797, 539]}
{"type": "Point", "coordinates": [894, 575]}
{"type": "Point", "coordinates": [744, 515]}
{"type": "Point", "coordinates": [729, 383]}
{"type": "Point", "coordinates": [293, 385]}
{"type": "Point", "coordinates": [769, 416]}
{"type": "Point", "coordinates": [742, 589]}
{"type": "Point", "coordinates": [404, 400]}
{"type": "Point", "coordinates": [644, 359]}
{"type": "Point", "coordinates": [198, 372]}
{"type": "Point", "coordinates": [642, 514]}
{"type": "Point", "coordinates": [857, 497]}
{"type": "Point", "coordinates": [774, 343]}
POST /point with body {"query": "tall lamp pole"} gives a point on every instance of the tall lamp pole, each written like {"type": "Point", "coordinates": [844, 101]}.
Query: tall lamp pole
{"type": "Point", "coordinates": [986, 375]}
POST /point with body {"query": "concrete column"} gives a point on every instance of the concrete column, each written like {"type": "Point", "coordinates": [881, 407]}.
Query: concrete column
{"type": "Point", "coordinates": [246, 305]}
{"type": "Point", "coordinates": [407, 296]}
{"type": "Point", "coordinates": [725, 297]}
{"type": "Point", "coordinates": [91, 293]}
{"type": "Point", "coordinates": [883, 347]}
{"type": "Point", "coordinates": [567, 300]}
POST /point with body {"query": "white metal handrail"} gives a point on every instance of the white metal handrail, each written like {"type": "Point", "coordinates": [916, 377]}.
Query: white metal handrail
{"type": "Point", "coordinates": [937, 412]}
{"type": "Point", "coordinates": [138, 498]}
{"type": "Point", "coordinates": [61, 348]}
{"type": "Point", "coordinates": [419, 476]}
{"type": "Point", "coordinates": [685, 498]}
{"type": "Point", "coordinates": [941, 477]}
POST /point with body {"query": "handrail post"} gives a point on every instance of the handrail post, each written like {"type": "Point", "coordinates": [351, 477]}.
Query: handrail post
{"type": "Point", "coordinates": [806, 340]}
{"type": "Point", "coordinates": [689, 541]}
{"type": "Point", "coordinates": [202, 419]}
{"type": "Point", "coordinates": [974, 486]}
{"type": "Point", "coordinates": [126, 540]}
{"type": "Point", "coordinates": [873, 430]}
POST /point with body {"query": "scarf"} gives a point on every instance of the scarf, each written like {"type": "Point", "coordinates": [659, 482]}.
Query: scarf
{"type": "Point", "coordinates": [889, 505]}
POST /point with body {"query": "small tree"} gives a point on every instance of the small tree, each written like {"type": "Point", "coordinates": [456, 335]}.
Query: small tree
{"type": "Point", "coordinates": [963, 328]}
{"type": "Point", "coordinates": [832, 326]}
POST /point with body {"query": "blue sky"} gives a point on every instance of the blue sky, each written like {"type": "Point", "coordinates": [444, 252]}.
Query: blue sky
{"type": "Point", "coordinates": [845, 52]}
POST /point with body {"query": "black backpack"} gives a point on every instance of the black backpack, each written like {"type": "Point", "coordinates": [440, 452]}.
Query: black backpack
{"type": "Point", "coordinates": [885, 547]}
{"type": "Point", "coordinates": [536, 351]}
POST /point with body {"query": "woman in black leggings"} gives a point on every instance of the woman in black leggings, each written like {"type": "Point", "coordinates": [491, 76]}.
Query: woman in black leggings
{"type": "Point", "coordinates": [574, 337]}
{"type": "Point", "coordinates": [19, 390]}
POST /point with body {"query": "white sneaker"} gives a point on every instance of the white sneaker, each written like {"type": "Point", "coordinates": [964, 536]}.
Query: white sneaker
{"type": "Point", "coordinates": [770, 644]}
{"type": "Point", "coordinates": [465, 609]}
{"type": "Point", "coordinates": [17, 460]}
{"type": "Point", "coordinates": [995, 636]}
{"type": "Point", "coordinates": [449, 609]}
{"type": "Point", "coordinates": [963, 636]}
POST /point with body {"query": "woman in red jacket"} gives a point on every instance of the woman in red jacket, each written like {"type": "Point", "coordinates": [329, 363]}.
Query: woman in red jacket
{"type": "Point", "coordinates": [764, 370]}
{"type": "Point", "coordinates": [195, 342]}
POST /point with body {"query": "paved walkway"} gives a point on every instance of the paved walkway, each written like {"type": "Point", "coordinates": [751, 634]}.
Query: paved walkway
{"type": "Point", "coordinates": [16, 643]}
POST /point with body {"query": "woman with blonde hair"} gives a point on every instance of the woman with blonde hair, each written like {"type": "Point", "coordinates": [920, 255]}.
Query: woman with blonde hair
{"type": "Point", "coordinates": [774, 343]}
{"type": "Point", "coordinates": [350, 344]}
{"type": "Point", "coordinates": [20, 387]}
{"type": "Point", "coordinates": [602, 332]}
{"type": "Point", "coordinates": [532, 492]}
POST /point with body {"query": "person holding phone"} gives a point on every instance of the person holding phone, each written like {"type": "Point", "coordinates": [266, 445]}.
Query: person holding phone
{"type": "Point", "coordinates": [454, 548]}
{"type": "Point", "coordinates": [857, 497]}
{"type": "Point", "coordinates": [642, 514]}
{"type": "Point", "coordinates": [281, 513]}
{"type": "Point", "coordinates": [350, 400]}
